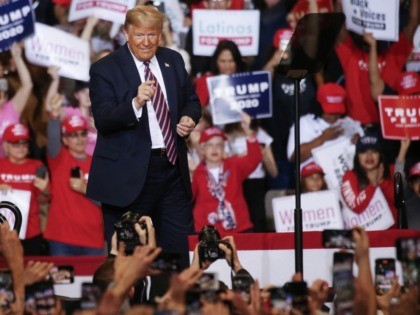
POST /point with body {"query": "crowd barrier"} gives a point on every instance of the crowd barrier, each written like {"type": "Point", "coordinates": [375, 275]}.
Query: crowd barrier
{"type": "Point", "coordinates": [269, 257]}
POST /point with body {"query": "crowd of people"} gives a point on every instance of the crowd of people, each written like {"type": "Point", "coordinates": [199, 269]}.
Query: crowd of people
{"type": "Point", "coordinates": [50, 136]}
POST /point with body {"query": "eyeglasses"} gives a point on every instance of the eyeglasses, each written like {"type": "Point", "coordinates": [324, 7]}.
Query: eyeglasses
{"type": "Point", "coordinates": [151, 36]}
{"type": "Point", "coordinates": [219, 146]}
{"type": "Point", "coordinates": [19, 144]}
{"type": "Point", "coordinates": [77, 134]}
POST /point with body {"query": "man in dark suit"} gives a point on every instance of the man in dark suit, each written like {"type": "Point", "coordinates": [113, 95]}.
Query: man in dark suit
{"type": "Point", "coordinates": [144, 105]}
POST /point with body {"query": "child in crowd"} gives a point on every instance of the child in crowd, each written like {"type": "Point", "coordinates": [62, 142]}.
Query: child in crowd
{"type": "Point", "coordinates": [217, 182]}
{"type": "Point", "coordinates": [74, 224]}
{"type": "Point", "coordinates": [312, 177]}
{"type": "Point", "coordinates": [11, 109]}
{"type": "Point", "coordinates": [17, 171]}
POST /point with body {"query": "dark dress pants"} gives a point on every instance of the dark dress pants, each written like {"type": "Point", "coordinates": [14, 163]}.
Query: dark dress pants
{"type": "Point", "coordinates": [165, 200]}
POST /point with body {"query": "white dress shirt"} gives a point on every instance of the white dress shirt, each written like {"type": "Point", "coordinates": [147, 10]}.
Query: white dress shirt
{"type": "Point", "coordinates": [155, 131]}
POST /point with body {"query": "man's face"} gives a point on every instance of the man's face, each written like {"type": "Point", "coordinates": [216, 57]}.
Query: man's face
{"type": "Point", "coordinates": [142, 41]}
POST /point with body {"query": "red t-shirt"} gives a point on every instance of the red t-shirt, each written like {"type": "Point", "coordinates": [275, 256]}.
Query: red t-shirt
{"type": "Point", "coordinates": [358, 199]}
{"type": "Point", "coordinates": [21, 176]}
{"type": "Point", "coordinates": [354, 61]}
{"type": "Point", "coordinates": [73, 218]}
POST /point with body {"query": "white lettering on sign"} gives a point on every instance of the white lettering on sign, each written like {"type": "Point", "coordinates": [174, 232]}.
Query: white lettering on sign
{"type": "Point", "coordinates": [15, 15]}
{"type": "Point", "coordinates": [242, 89]}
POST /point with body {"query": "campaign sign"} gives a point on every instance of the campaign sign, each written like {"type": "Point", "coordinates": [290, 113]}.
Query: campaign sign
{"type": "Point", "coordinates": [231, 94]}
{"type": "Point", "coordinates": [335, 160]}
{"type": "Point", "coordinates": [400, 116]}
{"type": "Point", "coordinates": [22, 199]}
{"type": "Point", "coordinates": [374, 17]}
{"type": "Point", "coordinates": [16, 22]}
{"type": "Point", "coordinates": [377, 215]}
{"type": "Point", "coordinates": [109, 10]}
{"type": "Point", "coordinates": [302, 7]}
{"type": "Point", "coordinates": [320, 211]}
{"type": "Point", "coordinates": [51, 46]}
{"type": "Point", "coordinates": [212, 26]}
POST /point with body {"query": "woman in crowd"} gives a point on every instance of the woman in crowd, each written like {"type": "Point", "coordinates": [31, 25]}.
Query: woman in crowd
{"type": "Point", "coordinates": [17, 171]}
{"type": "Point", "coordinates": [11, 109]}
{"type": "Point", "coordinates": [371, 171]}
{"type": "Point", "coordinates": [226, 59]}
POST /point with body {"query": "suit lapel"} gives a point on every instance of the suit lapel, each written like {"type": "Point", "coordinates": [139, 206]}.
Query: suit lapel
{"type": "Point", "coordinates": [168, 73]}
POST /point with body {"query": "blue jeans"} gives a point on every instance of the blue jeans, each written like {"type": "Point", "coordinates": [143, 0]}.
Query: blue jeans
{"type": "Point", "coordinates": [62, 249]}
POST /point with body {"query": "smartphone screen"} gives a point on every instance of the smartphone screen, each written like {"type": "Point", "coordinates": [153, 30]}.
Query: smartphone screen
{"type": "Point", "coordinates": [75, 172]}
{"type": "Point", "coordinates": [91, 293]}
{"type": "Point", "coordinates": [7, 295]}
{"type": "Point", "coordinates": [343, 282]}
{"type": "Point", "coordinates": [384, 274]}
{"type": "Point", "coordinates": [242, 285]}
{"type": "Point", "coordinates": [338, 239]}
{"type": "Point", "coordinates": [208, 285]}
{"type": "Point", "coordinates": [167, 261]}
{"type": "Point", "coordinates": [280, 300]}
{"type": "Point", "coordinates": [41, 171]}
{"type": "Point", "coordinates": [44, 297]}
{"type": "Point", "coordinates": [62, 274]}
{"type": "Point", "coordinates": [411, 276]}
{"type": "Point", "coordinates": [299, 294]}
{"type": "Point", "coordinates": [408, 249]}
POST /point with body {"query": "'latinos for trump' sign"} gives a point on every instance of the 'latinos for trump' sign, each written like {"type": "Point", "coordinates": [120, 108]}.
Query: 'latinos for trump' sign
{"type": "Point", "coordinates": [320, 211]}
{"type": "Point", "coordinates": [52, 47]}
{"type": "Point", "coordinates": [239, 26]}
{"type": "Point", "coordinates": [16, 22]}
{"type": "Point", "coordinates": [400, 117]}
{"type": "Point", "coordinates": [109, 10]}
{"type": "Point", "coordinates": [231, 94]}
{"type": "Point", "coordinates": [374, 16]}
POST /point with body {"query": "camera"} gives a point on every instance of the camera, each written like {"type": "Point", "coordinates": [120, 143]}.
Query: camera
{"type": "Point", "coordinates": [127, 233]}
{"type": "Point", "coordinates": [208, 247]}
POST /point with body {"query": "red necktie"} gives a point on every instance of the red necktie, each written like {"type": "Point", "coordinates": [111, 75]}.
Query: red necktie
{"type": "Point", "coordinates": [162, 115]}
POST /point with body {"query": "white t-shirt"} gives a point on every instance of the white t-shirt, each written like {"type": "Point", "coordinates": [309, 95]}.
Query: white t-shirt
{"type": "Point", "coordinates": [311, 128]}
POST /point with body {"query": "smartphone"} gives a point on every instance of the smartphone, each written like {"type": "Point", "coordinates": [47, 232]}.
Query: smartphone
{"type": "Point", "coordinates": [343, 282]}
{"type": "Point", "coordinates": [208, 285]}
{"type": "Point", "coordinates": [193, 302]}
{"type": "Point", "coordinates": [7, 295]}
{"type": "Point", "coordinates": [411, 276]}
{"type": "Point", "coordinates": [384, 274]}
{"type": "Point", "coordinates": [75, 172]}
{"type": "Point", "coordinates": [45, 300]}
{"type": "Point", "coordinates": [167, 261]}
{"type": "Point", "coordinates": [242, 285]}
{"type": "Point", "coordinates": [338, 239]}
{"type": "Point", "coordinates": [41, 171]}
{"type": "Point", "coordinates": [91, 294]}
{"type": "Point", "coordinates": [62, 274]}
{"type": "Point", "coordinates": [280, 300]}
{"type": "Point", "coordinates": [408, 249]}
{"type": "Point", "coordinates": [298, 291]}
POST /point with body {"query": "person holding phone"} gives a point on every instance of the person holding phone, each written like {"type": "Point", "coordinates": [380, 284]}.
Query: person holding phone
{"type": "Point", "coordinates": [74, 225]}
{"type": "Point", "coordinates": [17, 171]}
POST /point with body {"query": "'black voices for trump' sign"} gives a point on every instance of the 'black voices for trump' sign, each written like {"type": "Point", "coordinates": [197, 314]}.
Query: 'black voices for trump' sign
{"type": "Point", "coordinates": [16, 22]}
{"type": "Point", "coordinates": [231, 94]}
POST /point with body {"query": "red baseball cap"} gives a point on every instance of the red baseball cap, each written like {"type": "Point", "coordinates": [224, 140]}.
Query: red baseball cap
{"type": "Point", "coordinates": [332, 96]}
{"type": "Point", "coordinates": [211, 132]}
{"type": "Point", "coordinates": [73, 123]}
{"type": "Point", "coordinates": [15, 133]}
{"type": "Point", "coordinates": [414, 170]}
{"type": "Point", "coordinates": [311, 168]}
{"type": "Point", "coordinates": [62, 3]}
{"type": "Point", "coordinates": [408, 83]}
{"type": "Point", "coordinates": [282, 34]}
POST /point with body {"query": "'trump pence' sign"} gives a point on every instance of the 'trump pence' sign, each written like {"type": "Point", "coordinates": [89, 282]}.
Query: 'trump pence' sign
{"type": "Point", "coordinates": [52, 47]}
{"type": "Point", "coordinates": [320, 211]}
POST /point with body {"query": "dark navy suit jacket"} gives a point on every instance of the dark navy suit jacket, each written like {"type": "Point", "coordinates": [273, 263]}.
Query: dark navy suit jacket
{"type": "Point", "coordinates": [121, 157]}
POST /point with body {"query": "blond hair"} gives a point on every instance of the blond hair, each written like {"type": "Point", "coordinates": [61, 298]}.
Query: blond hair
{"type": "Point", "coordinates": [144, 15]}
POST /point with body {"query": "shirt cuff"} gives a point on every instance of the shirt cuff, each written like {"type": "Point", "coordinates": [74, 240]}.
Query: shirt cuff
{"type": "Point", "coordinates": [137, 112]}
